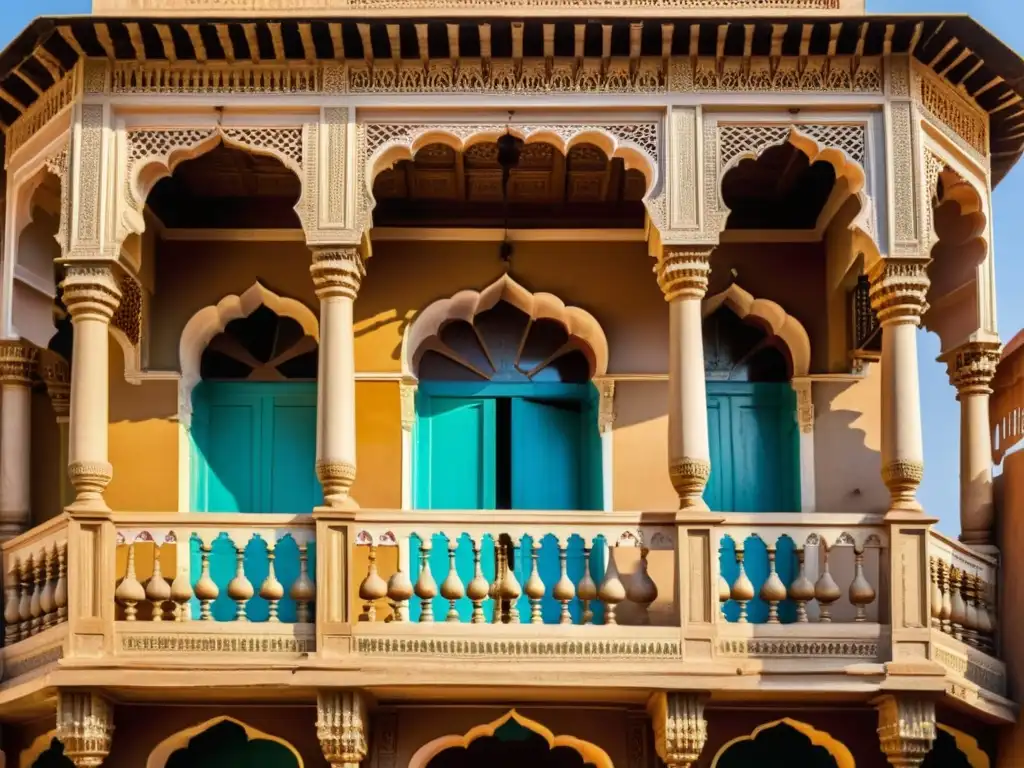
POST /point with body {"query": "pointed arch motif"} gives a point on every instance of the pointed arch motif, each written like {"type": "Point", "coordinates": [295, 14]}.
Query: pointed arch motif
{"type": "Point", "coordinates": [213, 319]}
{"type": "Point", "coordinates": [424, 333]}
{"type": "Point", "coordinates": [838, 750]}
{"type": "Point", "coordinates": [591, 753]}
{"type": "Point", "coordinates": [162, 752]}
{"type": "Point", "coordinates": [770, 316]}
{"type": "Point", "coordinates": [968, 746]}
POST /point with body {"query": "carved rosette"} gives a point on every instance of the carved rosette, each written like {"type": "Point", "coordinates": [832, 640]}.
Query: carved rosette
{"type": "Point", "coordinates": [342, 727]}
{"type": "Point", "coordinates": [689, 477]}
{"type": "Point", "coordinates": [680, 730]}
{"type": "Point", "coordinates": [337, 272]}
{"type": "Point", "coordinates": [85, 725]}
{"type": "Point", "coordinates": [56, 375]}
{"type": "Point", "coordinates": [906, 729]}
{"type": "Point", "coordinates": [899, 288]}
{"type": "Point", "coordinates": [683, 272]}
{"type": "Point", "coordinates": [91, 292]}
{"type": "Point", "coordinates": [17, 363]}
{"type": "Point", "coordinates": [972, 367]}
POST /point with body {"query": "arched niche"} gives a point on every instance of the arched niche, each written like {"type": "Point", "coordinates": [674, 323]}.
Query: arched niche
{"type": "Point", "coordinates": [212, 320]}
{"type": "Point", "coordinates": [37, 241]}
{"type": "Point", "coordinates": [581, 333]}
{"type": "Point", "coordinates": [589, 754]}
{"type": "Point", "coordinates": [197, 746]}
{"type": "Point", "coordinates": [790, 741]}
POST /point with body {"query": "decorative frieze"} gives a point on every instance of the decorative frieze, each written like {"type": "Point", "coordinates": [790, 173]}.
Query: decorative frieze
{"type": "Point", "coordinates": [906, 237]}
{"type": "Point", "coordinates": [680, 729]}
{"type": "Point", "coordinates": [955, 116]}
{"type": "Point", "coordinates": [216, 642]}
{"type": "Point", "coordinates": [637, 650]}
{"type": "Point", "coordinates": [906, 729]}
{"type": "Point", "coordinates": [735, 139]}
{"type": "Point", "coordinates": [52, 103]}
{"type": "Point", "coordinates": [85, 725]}
{"type": "Point", "coordinates": [192, 7]}
{"type": "Point", "coordinates": [342, 726]}
{"type": "Point", "coordinates": [809, 649]}
{"type": "Point", "coordinates": [88, 171]}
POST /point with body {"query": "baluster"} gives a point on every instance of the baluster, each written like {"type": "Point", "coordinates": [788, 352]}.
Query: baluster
{"type": "Point", "coordinates": [35, 604]}
{"type": "Point", "coordinates": [158, 591]}
{"type": "Point", "coordinates": [60, 591]}
{"type": "Point", "coordinates": [478, 589]}
{"type": "Point", "coordinates": [46, 603]}
{"type": "Point", "coordinates": [205, 588]}
{"type": "Point", "coordinates": [426, 587]}
{"type": "Point", "coordinates": [642, 590]}
{"type": "Point", "coordinates": [25, 604]}
{"type": "Point", "coordinates": [802, 589]}
{"type": "Point", "coordinates": [947, 599]}
{"type": "Point", "coordinates": [181, 594]}
{"type": "Point", "coordinates": [862, 594]}
{"type": "Point", "coordinates": [563, 590]}
{"type": "Point", "coordinates": [272, 590]}
{"type": "Point", "coordinates": [742, 590]}
{"type": "Point", "coordinates": [936, 607]}
{"type": "Point", "coordinates": [826, 591]}
{"type": "Point", "coordinates": [130, 591]}
{"type": "Point", "coordinates": [451, 588]}
{"type": "Point", "coordinates": [958, 612]}
{"type": "Point", "coordinates": [372, 588]}
{"type": "Point", "coordinates": [534, 586]}
{"type": "Point", "coordinates": [724, 594]}
{"type": "Point", "coordinates": [611, 591]}
{"type": "Point", "coordinates": [988, 616]}
{"type": "Point", "coordinates": [499, 579]}
{"type": "Point", "coordinates": [773, 591]}
{"type": "Point", "coordinates": [240, 589]}
{"type": "Point", "coordinates": [587, 589]}
{"type": "Point", "coordinates": [510, 589]}
{"type": "Point", "coordinates": [12, 604]}
{"type": "Point", "coordinates": [967, 589]}
{"type": "Point", "coordinates": [399, 592]}
{"type": "Point", "coordinates": [303, 591]}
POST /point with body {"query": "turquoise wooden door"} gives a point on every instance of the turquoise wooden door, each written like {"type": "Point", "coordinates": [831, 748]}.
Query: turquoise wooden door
{"type": "Point", "coordinates": [547, 469]}
{"type": "Point", "coordinates": [254, 447]}
{"type": "Point", "coordinates": [455, 451]}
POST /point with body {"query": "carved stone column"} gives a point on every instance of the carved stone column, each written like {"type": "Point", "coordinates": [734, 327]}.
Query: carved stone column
{"type": "Point", "coordinates": [906, 729]}
{"type": "Point", "coordinates": [680, 730]}
{"type": "Point", "coordinates": [17, 366]}
{"type": "Point", "coordinates": [56, 375]}
{"type": "Point", "coordinates": [898, 290]}
{"type": "Point", "coordinates": [342, 727]}
{"type": "Point", "coordinates": [337, 274]}
{"type": "Point", "coordinates": [91, 295]}
{"type": "Point", "coordinates": [85, 726]}
{"type": "Point", "coordinates": [971, 369]}
{"type": "Point", "coordinates": [683, 278]}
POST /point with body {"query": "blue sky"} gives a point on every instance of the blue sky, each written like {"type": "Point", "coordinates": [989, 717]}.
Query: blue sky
{"type": "Point", "coordinates": [939, 493]}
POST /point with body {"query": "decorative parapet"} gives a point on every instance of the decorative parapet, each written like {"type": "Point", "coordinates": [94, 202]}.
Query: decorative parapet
{"type": "Point", "coordinates": [54, 101]}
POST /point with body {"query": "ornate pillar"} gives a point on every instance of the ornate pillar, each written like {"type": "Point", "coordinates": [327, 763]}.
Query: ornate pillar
{"type": "Point", "coordinates": [342, 727]}
{"type": "Point", "coordinates": [971, 369]}
{"type": "Point", "coordinates": [85, 726]}
{"type": "Point", "coordinates": [91, 295]}
{"type": "Point", "coordinates": [906, 729]}
{"type": "Point", "coordinates": [683, 277]}
{"type": "Point", "coordinates": [680, 729]}
{"type": "Point", "coordinates": [17, 366]}
{"type": "Point", "coordinates": [898, 290]}
{"type": "Point", "coordinates": [56, 375]}
{"type": "Point", "coordinates": [337, 274]}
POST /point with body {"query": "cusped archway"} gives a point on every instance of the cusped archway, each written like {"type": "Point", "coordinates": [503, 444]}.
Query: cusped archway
{"type": "Point", "coordinates": [223, 741]}
{"type": "Point", "coordinates": [783, 743]}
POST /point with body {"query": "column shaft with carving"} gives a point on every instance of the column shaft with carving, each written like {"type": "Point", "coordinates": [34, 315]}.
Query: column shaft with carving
{"type": "Point", "coordinates": [971, 370]}
{"type": "Point", "coordinates": [337, 274]}
{"type": "Point", "coordinates": [56, 375]}
{"type": "Point", "coordinates": [683, 277]}
{"type": "Point", "coordinates": [898, 290]}
{"type": "Point", "coordinates": [680, 730]}
{"type": "Point", "coordinates": [85, 726]}
{"type": "Point", "coordinates": [17, 366]}
{"type": "Point", "coordinates": [342, 727]}
{"type": "Point", "coordinates": [906, 729]}
{"type": "Point", "coordinates": [91, 295]}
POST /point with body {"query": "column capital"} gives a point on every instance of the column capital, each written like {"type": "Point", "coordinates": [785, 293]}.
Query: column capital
{"type": "Point", "coordinates": [906, 728]}
{"type": "Point", "coordinates": [337, 271]}
{"type": "Point", "coordinates": [683, 271]}
{"type": "Point", "coordinates": [17, 362]}
{"type": "Point", "coordinates": [972, 366]}
{"type": "Point", "coordinates": [899, 288]}
{"type": "Point", "coordinates": [56, 375]}
{"type": "Point", "coordinates": [85, 726]}
{"type": "Point", "coordinates": [680, 729]}
{"type": "Point", "coordinates": [342, 726]}
{"type": "Point", "coordinates": [91, 290]}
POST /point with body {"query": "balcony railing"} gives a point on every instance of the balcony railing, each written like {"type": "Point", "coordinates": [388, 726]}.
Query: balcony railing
{"type": "Point", "coordinates": [819, 591]}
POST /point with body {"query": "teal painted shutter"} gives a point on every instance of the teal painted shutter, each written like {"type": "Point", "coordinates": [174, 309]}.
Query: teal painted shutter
{"type": "Point", "coordinates": [231, 453]}
{"type": "Point", "coordinates": [289, 434]}
{"type": "Point", "coordinates": [455, 453]}
{"type": "Point", "coordinates": [718, 492]}
{"type": "Point", "coordinates": [546, 455]}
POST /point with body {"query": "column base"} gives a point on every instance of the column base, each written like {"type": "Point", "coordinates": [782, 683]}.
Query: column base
{"type": "Point", "coordinates": [336, 478]}
{"type": "Point", "coordinates": [690, 478]}
{"type": "Point", "coordinates": [903, 477]}
{"type": "Point", "coordinates": [8, 530]}
{"type": "Point", "coordinates": [90, 479]}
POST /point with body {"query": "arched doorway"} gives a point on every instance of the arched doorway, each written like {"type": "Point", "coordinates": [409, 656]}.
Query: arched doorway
{"type": "Point", "coordinates": [513, 745]}
{"type": "Point", "coordinates": [783, 744]}
{"type": "Point", "coordinates": [223, 743]}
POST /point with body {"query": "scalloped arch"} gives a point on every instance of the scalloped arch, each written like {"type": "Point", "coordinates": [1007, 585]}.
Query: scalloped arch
{"type": "Point", "coordinates": [590, 753]}
{"type": "Point", "coordinates": [211, 320]}
{"type": "Point", "coordinates": [772, 316]}
{"type": "Point", "coordinates": [162, 752]}
{"type": "Point", "coordinates": [968, 746]}
{"type": "Point", "coordinates": [838, 750]}
{"type": "Point", "coordinates": [423, 333]}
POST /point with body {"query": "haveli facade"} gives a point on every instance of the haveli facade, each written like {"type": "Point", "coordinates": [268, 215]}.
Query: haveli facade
{"type": "Point", "coordinates": [600, 516]}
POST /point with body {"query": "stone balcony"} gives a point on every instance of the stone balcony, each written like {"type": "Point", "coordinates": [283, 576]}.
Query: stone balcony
{"type": "Point", "coordinates": [407, 601]}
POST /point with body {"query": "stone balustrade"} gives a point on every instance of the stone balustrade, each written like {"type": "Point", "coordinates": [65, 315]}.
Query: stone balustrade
{"type": "Point", "coordinates": [36, 581]}
{"type": "Point", "coordinates": [963, 592]}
